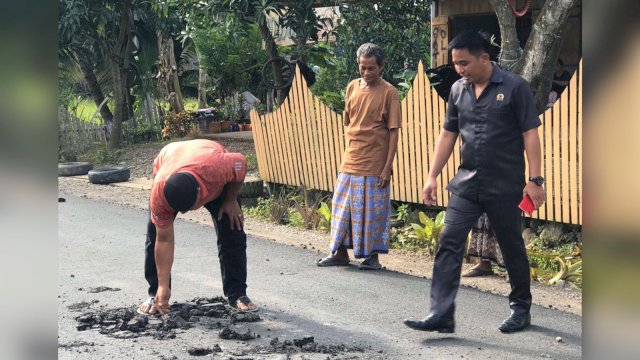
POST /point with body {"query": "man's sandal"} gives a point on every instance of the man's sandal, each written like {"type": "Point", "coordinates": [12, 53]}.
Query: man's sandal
{"type": "Point", "coordinates": [243, 304]}
{"type": "Point", "coordinates": [332, 260]}
{"type": "Point", "coordinates": [370, 263]}
{"type": "Point", "coordinates": [150, 306]}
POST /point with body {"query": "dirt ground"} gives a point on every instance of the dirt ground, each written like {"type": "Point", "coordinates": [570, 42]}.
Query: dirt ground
{"type": "Point", "coordinates": [140, 159]}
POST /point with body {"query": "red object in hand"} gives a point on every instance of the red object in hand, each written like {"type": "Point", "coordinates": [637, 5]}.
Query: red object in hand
{"type": "Point", "coordinates": [527, 205]}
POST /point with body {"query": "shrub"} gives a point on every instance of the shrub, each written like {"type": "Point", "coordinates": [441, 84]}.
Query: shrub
{"type": "Point", "coordinates": [325, 216]}
{"type": "Point", "coordinates": [261, 210]}
{"type": "Point", "coordinates": [279, 208]}
{"type": "Point", "coordinates": [295, 219]}
{"type": "Point", "coordinates": [145, 134]}
{"type": "Point", "coordinates": [178, 125]}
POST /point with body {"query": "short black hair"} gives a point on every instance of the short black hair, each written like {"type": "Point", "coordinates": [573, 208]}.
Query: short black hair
{"type": "Point", "coordinates": [473, 41]}
{"type": "Point", "coordinates": [181, 191]}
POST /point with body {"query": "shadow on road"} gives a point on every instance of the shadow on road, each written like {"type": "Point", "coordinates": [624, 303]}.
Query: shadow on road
{"type": "Point", "coordinates": [566, 337]}
{"type": "Point", "coordinates": [474, 344]}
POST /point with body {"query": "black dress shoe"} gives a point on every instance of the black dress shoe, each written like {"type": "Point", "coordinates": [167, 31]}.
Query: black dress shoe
{"type": "Point", "coordinates": [433, 322]}
{"type": "Point", "coordinates": [518, 320]}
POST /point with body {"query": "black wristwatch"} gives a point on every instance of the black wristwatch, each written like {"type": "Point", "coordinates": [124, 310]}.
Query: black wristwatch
{"type": "Point", "coordinates": [538, 180]}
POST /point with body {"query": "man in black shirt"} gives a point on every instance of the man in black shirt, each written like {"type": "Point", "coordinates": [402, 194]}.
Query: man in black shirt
{"type": "Point", "coordinates": [494, 113]}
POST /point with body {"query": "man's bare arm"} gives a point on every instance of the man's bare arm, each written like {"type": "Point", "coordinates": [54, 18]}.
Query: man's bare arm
{"type": "Point", "coordinates": [385, 176]}
{"type": "Point", "coordinates": [164, 261]}
{"type": "Point", "coordinates": [231, 207]}
{"type": "Point", "coordinates": [534, 158]}
{"type": "Point", "coordinates": [444, 148]}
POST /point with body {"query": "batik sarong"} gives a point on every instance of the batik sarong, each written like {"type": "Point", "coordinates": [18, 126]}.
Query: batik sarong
{"type": "Point", "coordinates": [360, 215]}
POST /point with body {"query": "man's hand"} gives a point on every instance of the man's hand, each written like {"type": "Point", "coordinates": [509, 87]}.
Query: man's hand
{"type": "Point", "coordinates": [536, 193]}
{"type": "Point", "coordinates": [385, 178]}
{"type": "Point", "coordinates": [430, 191]}
{"type": "Point", "coordinates": [231, 208]}
{"type": "Point", "coordinates": [162, 300]}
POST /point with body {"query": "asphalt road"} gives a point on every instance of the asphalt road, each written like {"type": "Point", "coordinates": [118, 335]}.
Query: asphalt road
{"type": "Point", "coordinates": [103, 245]}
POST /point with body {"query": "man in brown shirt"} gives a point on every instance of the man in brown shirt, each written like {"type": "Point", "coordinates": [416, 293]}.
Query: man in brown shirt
{"type": "Point", "coordinates": [361, 202]}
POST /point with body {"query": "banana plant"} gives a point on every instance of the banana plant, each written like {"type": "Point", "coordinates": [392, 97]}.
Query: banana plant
{"type": "Point", "coordinates": [325, 211]}
{"type": "Point", "coordinates": [570, 270]}
{"type": "Point", "coordinates": [427, 232]}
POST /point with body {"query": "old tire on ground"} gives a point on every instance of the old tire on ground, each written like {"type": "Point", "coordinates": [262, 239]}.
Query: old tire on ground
{"type": "Point", "coordinates": [109, 174]}
{"type": "Point", "coordinates": [74, 168]}
{"type": "Point", "coordinates": [252, 187]}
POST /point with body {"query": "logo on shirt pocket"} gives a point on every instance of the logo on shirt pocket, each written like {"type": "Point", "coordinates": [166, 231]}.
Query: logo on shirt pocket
{"type": "Point", "coordinates": [500, 97]}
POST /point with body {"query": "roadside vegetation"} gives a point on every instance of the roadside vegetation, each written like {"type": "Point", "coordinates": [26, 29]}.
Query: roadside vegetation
{"type": "Point", "coordinates": [554, 250]}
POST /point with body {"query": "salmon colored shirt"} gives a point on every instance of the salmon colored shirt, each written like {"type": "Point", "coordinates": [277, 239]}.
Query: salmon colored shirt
{"type": "Point", "coordinates": [371, 113]}
{"type": "Point", "coordinates": [209, 163]}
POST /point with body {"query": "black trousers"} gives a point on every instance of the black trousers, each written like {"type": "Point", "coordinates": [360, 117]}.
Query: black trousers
{"type": "Point", "coordinates": [461, 215]}
{"type": "Point", "coordinates": [232, 246]}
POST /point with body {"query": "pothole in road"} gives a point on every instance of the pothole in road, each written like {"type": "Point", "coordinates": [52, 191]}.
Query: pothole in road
{"type": "Point", "coordinates": [305, 344]}
{"type": "Point", "coordinates": [207, 313]}
{"type": "Point", "coordinates": [99, 289]}
{"type": "Point", "coordinates": [210, 313]}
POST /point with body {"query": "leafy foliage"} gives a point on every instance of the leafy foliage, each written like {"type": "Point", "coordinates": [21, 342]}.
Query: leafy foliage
{"type": "Point", "coordinates": [325, 212]}
{"type": "Point", "coordinates": [563, 263]}
{"type": "Point", "coordinates": [99, 155]}
{"type": "Point", "coordinates": [279, 208]}
{"type": "Point", "coordinates": [288, 207]}
{"type": "Point", "coordinates": [233, 57]}
{"type": "Point", "coordinates": [261, 210]}
{"type": "Point", "coordinates": [402, 213]}
{"type": "Point", "coordinates": [570, 270]}
{"type": "Point", "coordinates": [427, 233]}
{"type": "Point", "coordinates": [296, 219]}
{"type": "Point", "coordinates": [401, 28]}
{"type": "Point", "coordinates": [309, 213]}
{"type": "Point", "coordinates": [421, 236]}
{"type": "Point", "coordinates": [178, 125]}
{"type": "Point", "coordinates": [145, 134]}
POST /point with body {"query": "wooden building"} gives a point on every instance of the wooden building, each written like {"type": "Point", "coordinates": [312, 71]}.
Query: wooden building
{"type": "Point", "coordinates": [450, 17]}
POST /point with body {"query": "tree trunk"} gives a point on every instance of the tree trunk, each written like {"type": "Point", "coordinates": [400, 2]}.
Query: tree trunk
{"type": "Point", "coordinates": [543, 47]}
{"type": "Point", "coordinates": [96, 91]}
{"type": "Point", "coordinates": [272, 51]}
{"type": "Point", "coordinates": [119, 57]}
{"type": "Point", "coordinates": [119, 107]}
{"type": "Point", "coordinates": [510, 51]}
{"type": "Point", "coordinates": [537, 63]}
{"type": "Point", "coordinates": [202, 84]}
{"type": "Point", "coordinates": [202, 88]}
{"type": "Point", "coordinates": [168, 74]}
{"type": "Point", "coordinates": [130, 99]}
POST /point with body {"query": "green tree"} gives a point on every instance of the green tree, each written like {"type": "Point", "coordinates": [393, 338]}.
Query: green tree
{"type": "Point", "coordinates": [81, 45]}
{"type": "Point", "coordinates": [231, 54]}
{"type": "Point", "coordinates": [92, 30]}
{"type": "Point", "coordinates": [401, 28]}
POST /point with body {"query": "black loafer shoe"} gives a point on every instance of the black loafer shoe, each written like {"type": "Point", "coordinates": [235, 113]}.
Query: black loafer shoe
{"type": "Point", "coordinates": [518, 320]}
{"type": "Point", "coordinates": [433, 322]}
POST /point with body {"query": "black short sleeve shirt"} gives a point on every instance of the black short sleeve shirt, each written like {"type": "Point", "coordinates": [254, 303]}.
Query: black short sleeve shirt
{"type": "Point", "coordinates": [491, 128]}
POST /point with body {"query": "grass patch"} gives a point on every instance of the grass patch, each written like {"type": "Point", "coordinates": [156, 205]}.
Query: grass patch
{"type": "Point", "coordinates": [84, 109]}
